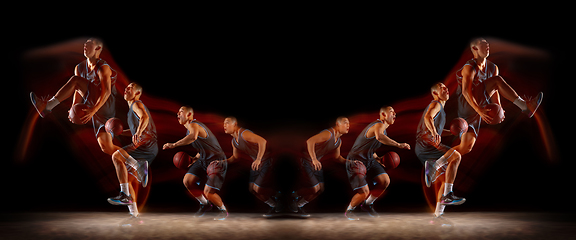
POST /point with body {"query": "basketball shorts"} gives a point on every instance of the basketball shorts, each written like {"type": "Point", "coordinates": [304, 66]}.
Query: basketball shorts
{"type": "Point", "coordinates": [263, 177]}
{"type": "Point", "coordinates": [210, 173]}
{"type": "Point", "coordinates": [425, 151]}
{"type": "Point", "coordinates": [309, 177]}
{"type": "Point", "coordinates": [360, 172]}
{"type": "Point", "coordinates": [146, 151]}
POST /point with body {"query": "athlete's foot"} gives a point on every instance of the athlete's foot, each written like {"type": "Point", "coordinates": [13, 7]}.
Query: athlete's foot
{"type": "Point", "coordinates": [450, 199]}
{"type": "Point", "coordinates": [271, 211]}
{"type": "Point", "coordinates": [350, 215]}
{"type": "Point", "coordinates": [203, 209]}
{"type": "Point", "coordinates": [132, 221]}
{"type": "Point", "coordinates": [222, 215]}
{"type": "Point", "coordinates": [533, 104]}
{"type": "Point", "coordinates": [440, 221]}
{"type": "Point", "coordinates": [302, 213]}
{"type": "Point", "coordinates": [39, 104]}
{"type": "Point", "coordinates": [121, 199]}
{"type": "Point", "coordinates": [370, 209]}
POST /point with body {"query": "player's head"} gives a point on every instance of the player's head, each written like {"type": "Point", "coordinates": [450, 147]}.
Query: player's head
{"type": "Point", "coordinates": [480, 48]}
{"type": "Point", "coordinates": [440, 92]}
{"type": "Point", "coordinates": [133, 92]}
{"type": "Point", "coordinates": [230, 125]}
{"type": "Point", "coordinates": [342, 125]}
{"type": "Point", "coordinates": [93, 47]}
{"type": "Point", "coordinates": [387, 114]}
{"type": "Point", "coordinates": [185, 114]}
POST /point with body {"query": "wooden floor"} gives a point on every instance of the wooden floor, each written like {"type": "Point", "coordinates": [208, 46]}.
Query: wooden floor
{"type": "Point", "coordinates": [465, 225]}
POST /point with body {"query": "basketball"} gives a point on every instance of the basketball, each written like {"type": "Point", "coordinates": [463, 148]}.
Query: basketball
{"type": "Point", "coordinates": [77, 112]}
{"type": "Point", "coordinates": [458, 126]}
{"type": "Point", "coordinates": [391, 160]}
{"type": "Point", "coordinates": [496, 112]}
{"type": "Point", "coordinates": [181, 160]}
{"type": "Point", "coordinates": [114, 126]}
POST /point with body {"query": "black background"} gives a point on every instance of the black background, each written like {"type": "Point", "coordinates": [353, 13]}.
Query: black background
{"type": "Point", "coordinates": [285, 75]}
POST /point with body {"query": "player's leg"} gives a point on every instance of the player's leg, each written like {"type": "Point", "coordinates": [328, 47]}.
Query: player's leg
{"type": "Point", "coordinates": [445, 195]}
{"type": "Point", "coordinates": [74, 84]}
{"type": "Point", "coordinates": [382, 181]}
{"type": "Point", "coordinates": [498, 84]}
{"type": "Point", "coordinates": [105, 143]}
{"type": "Point", "coordinates": [265, 195]}
{"type": "Point", "coordinates": [466, 142]}
{"type": "Point", "coordinates": [212, 195]}
{"type": "Point", "coordinates": [190, 181]}
{"type": "Point", "coordinates": [358, 198]}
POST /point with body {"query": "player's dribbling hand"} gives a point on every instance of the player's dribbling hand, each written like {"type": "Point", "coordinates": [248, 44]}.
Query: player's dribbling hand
{"type": "Point", "coordinates": [167, 146]}
{"type": "Point", "coordinates": [404, 146]}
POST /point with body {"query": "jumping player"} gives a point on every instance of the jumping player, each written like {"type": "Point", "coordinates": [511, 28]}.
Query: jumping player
{"type": "Point", "coordinates": [210, 166]}
{"type": "Point", "coordinates": [322, 146]}
{"type": "Point", "coordinates": [93, 84]}
{"type": "Point", "coordinates": [247, 143]}
{"type": "Point", "coordinates": [478, 85]}
{"type": "Point", "coordinates": [138, 155]}
{"type": "Point", "coordinates": [434, 155]}
{"type": "Point", "coordinates": [364, 166]}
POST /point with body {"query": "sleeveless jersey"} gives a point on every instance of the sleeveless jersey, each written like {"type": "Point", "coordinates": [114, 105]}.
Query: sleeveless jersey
{"type": "Point", "coordinates": [363, 148]}
{"type": "Point", "coordinates": [108, 110]}
{"type": "Point", "coordinates": [133, 120]}
{"type": "Point", "coordinates": [323, 148]}
{"type": "Point", "coordinates": [208, 147]}
{"type": "Point", "coordinates": [422, 132]}
{"type": "Point", "coordinates": [248, 148]}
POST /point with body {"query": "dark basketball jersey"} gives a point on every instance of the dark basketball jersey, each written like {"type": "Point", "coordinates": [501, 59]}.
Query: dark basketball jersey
{"type": "Point", "coordinates": [363, 148]}
{"type": "Point", "coordinates": [108, 110]}
{"type": "Point", "coordinates": [478, 92]}
{"type": "Point", "coordinates": [422, 133]}
{"type": "Point", "coordinates": [248, 148]}
{"type": "Point", "coordinates": [323, 148]}
{"type": "Point", "coordinates": [149, 133]}
{"type": "Point", "coordinates": [148, 149]}
{"type": "Point", "coordinates": [208, 147]}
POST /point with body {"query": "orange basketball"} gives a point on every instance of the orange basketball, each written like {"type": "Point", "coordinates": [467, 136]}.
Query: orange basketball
{"type": "Point", "coordinates": [77, 112]}
{"type": "Point", "coordinates": [181, 160]}
{"type": "Point", "coordinates": [391, 160]}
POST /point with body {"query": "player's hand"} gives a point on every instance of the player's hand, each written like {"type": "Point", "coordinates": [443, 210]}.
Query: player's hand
{"type": "Point", "coordinates": [136, 139]}
{"type": "Point", "coordinates": [484, 114]}
{"type": "Point", "coordinates": [256, 165]}
{"type": "Point", "coordinates": [168, 146]}
{"type": "Point", "coordinates": [89, 114]}
{"type": "Point", "coordinates": [317, 165]}
{"type": "Point", "coordinates": [404, 146]}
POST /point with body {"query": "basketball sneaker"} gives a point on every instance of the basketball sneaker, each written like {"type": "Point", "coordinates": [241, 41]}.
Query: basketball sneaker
{"type": "Point", "coordinates": [440, 221]}
{"type": "Point", "coordinates": [533, 104]}
{"type": "Point", "coordinates": [370, 209]}
{"type": "Point", "coordinates": [39, 104]}
{"type": "Point", "coordinates": [222, 215]}
{"type": "Point", "coordinates": [450, 199]}
{"type": "Point", "coordinates": [132, 221]}
{"type": "Point", "coordinates": [349, 214]}
{"type": "Point", "coordinates": [121, 199]}
{"type": "Point", "coordinates": [271, 211]}
{"type": "Point", "coordinates": [203, 209]}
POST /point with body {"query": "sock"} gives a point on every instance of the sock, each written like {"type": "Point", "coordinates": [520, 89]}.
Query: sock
{"type": "Point", "coordinates": [222, 207]}
{"type": "Point", "coordinates": [302, 202]}
{"type": "Point", "coordinates": [271, 202]}
{"type": "Point", "coordinates": [350, 208]}
{"type": "Point", "coordinates": [202, 200]}
{"type": "Point", "coordinates": [371, 199]}
{"type": "Point", "coordinates": [448, 188]}
{"type": "Point", "coordinates": [125, 188]}
{"type": "Point", "coordinates": [53, 102]}
{"type": "Point", "coordinates": [440, 162]}
{"type": "Point", "coordinates": [439, 209]}
{"type": "Point", "coordinates": [133, 209]}
{"type": "Point", "coordinates": [521, 103]}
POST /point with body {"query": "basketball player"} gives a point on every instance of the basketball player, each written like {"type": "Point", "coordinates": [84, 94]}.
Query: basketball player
{"type": "Point", "coordinates": [93, 84]}
{"type": "Point", "coordinates": [322, 146]}
{"type": "Point", "coordinates": [478, 85]}
{"type": "Point", "coordinates": [247, 143]}
{"type": "Point", "coordinates": [434, 155]}
{"type": "Point", "coordinates": [139, 154]}
{"type": "Point", "coordinates": [364, 166]}
{"type": "Point", "coordinates": [210, 167]}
